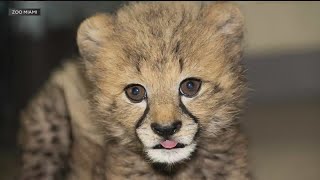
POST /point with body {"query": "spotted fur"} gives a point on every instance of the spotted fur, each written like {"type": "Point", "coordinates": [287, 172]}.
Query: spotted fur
{"type": "Point", "coordinates": [157, 45]}
{"type": "Point", "coordinates": [46, 135]}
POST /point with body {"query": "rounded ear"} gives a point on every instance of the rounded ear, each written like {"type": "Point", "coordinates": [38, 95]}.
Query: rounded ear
{"type": "Point", "coordinates": [92, 33]}
{"type": "Point", "coordinates": [227, 23]}
{"type": "Point", "coordinates": [226, 17]}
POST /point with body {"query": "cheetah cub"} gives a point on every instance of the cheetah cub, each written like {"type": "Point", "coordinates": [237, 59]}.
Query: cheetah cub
{"type": "Point", "coordinates": [155, 94]}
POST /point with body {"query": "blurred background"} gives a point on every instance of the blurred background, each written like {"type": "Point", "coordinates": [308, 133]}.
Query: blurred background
{"type": "Point", "coordinates": [282, 57]}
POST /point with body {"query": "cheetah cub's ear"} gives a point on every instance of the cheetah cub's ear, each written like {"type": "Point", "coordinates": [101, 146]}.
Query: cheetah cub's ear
{"type": "Point", "coordinates": [92, 33]}
{"type": "Point", "coordinates": [227, 25]}
{"type": "Point", "coordinates": [226, 18]}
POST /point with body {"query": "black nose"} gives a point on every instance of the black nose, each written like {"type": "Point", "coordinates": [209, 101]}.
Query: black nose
{"type": "Point", "coordinates": [166, 131]}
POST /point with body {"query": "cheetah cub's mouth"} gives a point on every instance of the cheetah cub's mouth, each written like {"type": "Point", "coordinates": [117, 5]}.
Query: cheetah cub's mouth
{"type": "Point", "coordinates": [170, 151]}
{"type": "Point", "coordinates": [169, 144]}
{"type": "Point", "coordinates": [164, 146]}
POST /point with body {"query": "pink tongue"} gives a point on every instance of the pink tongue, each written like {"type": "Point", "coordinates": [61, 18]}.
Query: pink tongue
{"type": "Point", "coordinates": [168, 144]}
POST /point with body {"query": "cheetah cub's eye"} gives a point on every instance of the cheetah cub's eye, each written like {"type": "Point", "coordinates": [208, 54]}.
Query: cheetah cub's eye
{"type": "Point", "coordinates": [135, 92]}
{"type": "Point", "coordinates": [190, 87]}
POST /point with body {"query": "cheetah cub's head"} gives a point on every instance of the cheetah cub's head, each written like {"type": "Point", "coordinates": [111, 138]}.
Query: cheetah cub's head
{"type": "Point", "coordinates": [165, 75]}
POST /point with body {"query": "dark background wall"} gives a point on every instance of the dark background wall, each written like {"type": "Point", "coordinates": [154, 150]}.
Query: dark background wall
{"type": "Point", "coordinates": [282, 58]}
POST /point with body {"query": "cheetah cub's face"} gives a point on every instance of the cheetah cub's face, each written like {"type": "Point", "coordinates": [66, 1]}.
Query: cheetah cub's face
{"type": "Point", "coordinates": [166, 76]}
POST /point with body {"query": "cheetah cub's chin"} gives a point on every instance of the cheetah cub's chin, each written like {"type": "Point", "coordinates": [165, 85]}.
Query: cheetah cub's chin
{"type": "Point", "coordinates": [172, 155]}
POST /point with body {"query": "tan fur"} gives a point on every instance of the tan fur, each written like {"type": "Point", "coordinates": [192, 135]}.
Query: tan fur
{"type": "Point", "coordinates": [157, 45]}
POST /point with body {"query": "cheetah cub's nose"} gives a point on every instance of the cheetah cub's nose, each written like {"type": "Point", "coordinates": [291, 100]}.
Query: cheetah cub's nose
{"type": "Point", "coordinates": [166, 131]}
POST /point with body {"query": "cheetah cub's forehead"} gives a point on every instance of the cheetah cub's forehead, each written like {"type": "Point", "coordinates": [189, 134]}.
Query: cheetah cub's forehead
{"type": "Point", "coordinates": [162, 37]}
